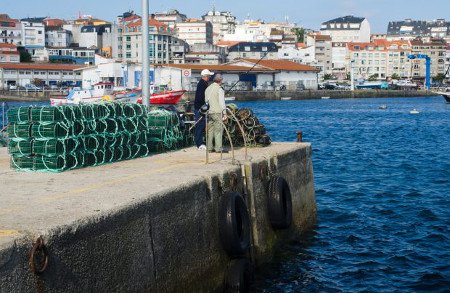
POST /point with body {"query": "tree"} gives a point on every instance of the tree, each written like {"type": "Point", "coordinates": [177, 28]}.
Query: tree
{"type": "Point", "coordinates": [25, 56]}
{"type": "Point", "coordinates": [395, 76]}
{"type": "Point", "coordinates": [373, 77]}
{"type": "Point", "coordinates": [327, 76]}
{"type": "Point", "coordinates": [300, 33]}
{"type": "Point", "coordinates": [37, 82]}
{"type": "Point", "coordinates": [439, 78]}
{"type": "Point", "coordinates": [348, 76]}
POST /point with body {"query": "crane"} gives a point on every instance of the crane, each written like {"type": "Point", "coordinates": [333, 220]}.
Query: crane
{"type": "Point", "coordinates": [427, 67]}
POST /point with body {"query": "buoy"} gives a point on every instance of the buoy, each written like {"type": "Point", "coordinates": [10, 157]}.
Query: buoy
{"type": "Point", "coordinates": [234, 224]}
{"type": "Point", "coordinates": [279, 203]}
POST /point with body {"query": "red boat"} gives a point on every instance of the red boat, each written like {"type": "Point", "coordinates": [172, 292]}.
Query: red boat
{"type": "Point", "coordinates": [165, 98]}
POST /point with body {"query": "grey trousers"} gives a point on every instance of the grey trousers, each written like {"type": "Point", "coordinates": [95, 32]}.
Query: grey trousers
{"type": "Point", "coordinates": [215, 132]}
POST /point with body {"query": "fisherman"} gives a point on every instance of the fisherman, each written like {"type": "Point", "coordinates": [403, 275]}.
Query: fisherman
{"type": "Point", "coordinates": [198, 103]}
{"type": "Point", "coordinates": [215, 97]}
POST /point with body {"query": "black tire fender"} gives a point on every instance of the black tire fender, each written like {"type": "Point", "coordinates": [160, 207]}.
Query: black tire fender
{"type": "Point", "coordinates": [239, 276]}
{"type": "Point", "coordinates": [279, 203]}
{"type": "Point", "coordinates": [234, 224]}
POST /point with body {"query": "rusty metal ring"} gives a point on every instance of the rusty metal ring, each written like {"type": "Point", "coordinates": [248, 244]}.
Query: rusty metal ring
{"type": "Point", "coordinates": [233, 181]}
{"type": "Point", "coordinates": [38, 247]}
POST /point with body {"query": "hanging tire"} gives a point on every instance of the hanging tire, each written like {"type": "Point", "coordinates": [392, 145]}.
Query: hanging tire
{"type": "Point", "coordinates": [280, 203]}
{"type": "Point", "coordinates": [239, 277]}
{"type": "Point", "coordinates": [234, 224]}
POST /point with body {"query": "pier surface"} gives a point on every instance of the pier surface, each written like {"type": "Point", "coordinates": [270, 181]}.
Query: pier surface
{"type": "Point", "coordinates": [161, 208]}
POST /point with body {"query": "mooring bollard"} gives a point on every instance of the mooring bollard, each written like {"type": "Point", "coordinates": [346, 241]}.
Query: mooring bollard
{"type": "Point", "coordinates": [299, 136]}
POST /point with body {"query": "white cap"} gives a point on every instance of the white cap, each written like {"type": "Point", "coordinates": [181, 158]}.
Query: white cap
{"type": "Point", "coordinates": [206, 72]}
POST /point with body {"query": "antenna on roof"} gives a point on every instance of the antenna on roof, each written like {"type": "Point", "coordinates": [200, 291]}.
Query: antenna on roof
{"type": "Point", "coordinates": [214, 6]}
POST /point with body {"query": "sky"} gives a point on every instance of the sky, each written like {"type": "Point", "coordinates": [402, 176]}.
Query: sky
{"type": "Point", "coordinates": [309, 14]}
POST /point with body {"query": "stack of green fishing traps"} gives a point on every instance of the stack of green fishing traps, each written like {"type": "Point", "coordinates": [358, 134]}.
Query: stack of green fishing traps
{"type": "Point", "coordinates": [166, 132]}
{"type": "Point", "coordinates": [61, 138]}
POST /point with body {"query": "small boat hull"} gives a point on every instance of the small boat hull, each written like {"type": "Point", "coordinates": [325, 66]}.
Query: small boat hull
{"type": "Point", "coordinates": [446, 95]}
{"type": "Point", "coordinates": [165, 98]}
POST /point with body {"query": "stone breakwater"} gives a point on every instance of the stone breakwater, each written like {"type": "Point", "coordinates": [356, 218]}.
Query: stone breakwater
{"type": "Point", "coordinates": [150, 224]}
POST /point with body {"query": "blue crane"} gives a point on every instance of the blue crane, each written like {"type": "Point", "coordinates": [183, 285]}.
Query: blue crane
{"type": "Point", "coordinates": [427, 67]}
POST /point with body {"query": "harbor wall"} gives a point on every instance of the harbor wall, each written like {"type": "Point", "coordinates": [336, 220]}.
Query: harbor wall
{"type": "Point", "coordinates": [318, 94]}
{"type": "Point", "coordinates": [169, 242]}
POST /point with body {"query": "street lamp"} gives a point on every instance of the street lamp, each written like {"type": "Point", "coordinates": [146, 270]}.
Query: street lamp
{"type": "Point", "coordinates": [352, 79]}
{"type": "Point", "coordinates": [145, 52]}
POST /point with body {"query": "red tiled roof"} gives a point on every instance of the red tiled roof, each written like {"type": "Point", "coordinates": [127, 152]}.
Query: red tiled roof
{"type": "Point", "coordinates": [301, 45]}
{"type": "Point", "coordinates": [10, 52]}
{"type": "Point", "coordinates": [151, 22]}
{"type": "Point", "coordinates": [285, 65]}
{"type": "Point", "coordinates": [214, 68]}
{"type": "Point", "coordinates": [40, 66]}
{"type": "Point", "coordinates": [12, 46]}
{"type": "Point", "coordinates": [227, 43]}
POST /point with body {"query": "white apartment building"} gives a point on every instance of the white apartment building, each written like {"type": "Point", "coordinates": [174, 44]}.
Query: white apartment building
{"type": "Point", "coordinates": [322, 52]}
{"type": "Point", "coordinates": [171, 18]}
{"type": "Point", "coordinates": [92, 35]}
{"type": "Point", "coordinates": [195, 31]}
{"type": "Point", "coordinates": [436, 49]}
{"type": "Point", "coordinates": [381, 58]}
{"type": "Point", "coordinates": [50, 74]}
{"type": "Point", "coordinates": [10, 30]}
{"type": "Point", "coordinates": [33, 32]}
{"type": "Point", "coordinates": [58, 37]}
{"type": "Point", "coordinates": [253, 50]}
{"type": "Point", "coordinates": [223, 23]}
{"type": "Point", "coordinates": [347, 29]}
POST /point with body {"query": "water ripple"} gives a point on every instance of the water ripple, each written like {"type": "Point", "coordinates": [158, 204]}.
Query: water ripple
{"type": "Point", "coordinates": [382, 186]}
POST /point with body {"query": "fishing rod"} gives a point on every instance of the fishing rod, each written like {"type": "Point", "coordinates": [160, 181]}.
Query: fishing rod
{"type": "Point", "coordinates": [248, 71]}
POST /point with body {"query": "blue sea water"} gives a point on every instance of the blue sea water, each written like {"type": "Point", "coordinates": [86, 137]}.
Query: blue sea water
{"type": "Point", "coordinates": [382, 180]}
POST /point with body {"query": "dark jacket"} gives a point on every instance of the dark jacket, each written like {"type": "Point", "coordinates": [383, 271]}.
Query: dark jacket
{"type": "Point", "coordinates": [200, 94]}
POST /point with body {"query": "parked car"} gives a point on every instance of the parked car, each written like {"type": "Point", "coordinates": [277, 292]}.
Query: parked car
{"type": "Point", "coordinates": [32, 88]}
{"type": "Point", "coordinates": [12, 87]}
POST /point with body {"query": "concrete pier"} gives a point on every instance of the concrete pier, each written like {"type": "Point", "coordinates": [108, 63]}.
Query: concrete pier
{"type": "Point", "coordinates": [148, 224]}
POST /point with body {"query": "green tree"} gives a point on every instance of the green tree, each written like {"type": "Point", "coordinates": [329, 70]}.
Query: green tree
{"type": "Point", "coordinates": [395, 76]}
{"type": "Point", "coordinates": [327, 76]}
{"type": "Point", "coordinates": [373, 77]}
{"type": "Point", "coordinates": [37, 82]}
{"type": "Point", "coordinates": [439, 78]}
{"type": "Point", "coordinates": [25, 56]}
{"type": "Point", "coordinates": [300, 33]}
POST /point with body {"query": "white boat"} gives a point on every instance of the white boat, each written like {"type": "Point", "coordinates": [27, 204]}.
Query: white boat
{"type": "Point", "coordinates": [382, 107]}
{"type": "Point", "coordinates": [445, 94]}
{"type": "Point", "coordinates": [101, 91]}
{"type": "Point", "coordinates": [230, 98]}
{"type": "Point", "coordinates": [286, 98]}
{"type": "Point", "coordinates": [325, 98]}
{"type": "Point", "coordinates": [407, 84]}
{"type": "Point", "coordinates": [414, 111]}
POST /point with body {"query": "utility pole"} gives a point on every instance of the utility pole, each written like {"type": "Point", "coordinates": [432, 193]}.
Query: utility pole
{"type": "Point", "coordinates": [352, 79]}
{"type": "Point", "coordinates": [145, 56]}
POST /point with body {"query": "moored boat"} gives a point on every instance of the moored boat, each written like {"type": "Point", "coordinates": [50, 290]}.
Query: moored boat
{"type": "Point", "coordinates": [100, 91]}
{"type": "Point", "coordinates": [445, 94]}
{"type": "Point", "coordinates": [164, 98]}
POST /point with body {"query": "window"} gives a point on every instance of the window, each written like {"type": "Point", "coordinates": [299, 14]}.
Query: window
{"type": "Point", "coordinates": [128, 39]}
{"type": "Point", "coordinates": [128, 55]}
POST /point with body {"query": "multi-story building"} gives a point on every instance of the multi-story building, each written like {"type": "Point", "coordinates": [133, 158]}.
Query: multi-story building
{"type": "Point", "coordinates": [179, 50]}
{"type": "Point", "coordinates": [71, 55]}
{"type": "Point", "coordinates": [322, 52]}
{"type": "Point", "coordinates": [33, 32]}
{"type": "Point", "coordinates": [380, 58]}
{"type": "Point", "coordinates": [347, 29]}
{"type": "Point", "coordinates": [49, 74]}
{"type": "Point", "coordinates": [160, 39]}
{"type": "Point", "coordinates": [9, 53]}
{"type": "Point", "coordinates": [195, 31]}
{"type": "Point", "coordinates": [410, 29]}
{"type": "Point", "coordinates": [223, 23]}
{"type": "Point", "coordinates": [206, 54]}
{"type": "Point", "coordinates": [436, 49]}
{"type": "Point", "coordinates": [10, 30]}
{"type": "Point", "coordinates": [447, 63]}
{"type": "Point", "coordinates": [253, 50]}
{"type": "Point", "coordinates": [339, 59]}
{"type": "Point", "coordinates": [171, 18]}
{"type": "Point", "coordinates": [56, 36]}
{"type": "Point", "coordinates": [258, 31]}
{"type": "Point", "coordinates": [92, 35]}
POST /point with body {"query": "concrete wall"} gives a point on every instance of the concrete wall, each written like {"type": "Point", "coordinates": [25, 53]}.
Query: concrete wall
{"type": "Point", "coordinates": [309, 94]}
{"type": "Point", "coordinates": [169, 242]}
